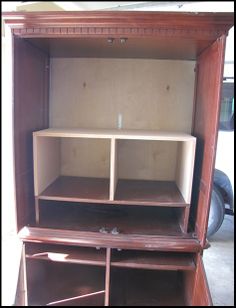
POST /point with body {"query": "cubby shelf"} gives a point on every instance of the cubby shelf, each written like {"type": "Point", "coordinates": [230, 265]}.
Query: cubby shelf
{"type": "Point", "coordinates": [146, 182]}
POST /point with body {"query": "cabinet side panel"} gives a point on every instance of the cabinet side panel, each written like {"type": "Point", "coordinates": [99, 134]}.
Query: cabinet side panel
{"type": "Point", "coordinates": [205, 128]}
{"type": "Point", "coordinates": [184, 168]}
{"type": "Point", "coordinates": [189, 282]}
{"type": "Point", "coordinates": [30, 114]}
{"type": "Point", "coordinates": [201, 296]}
{"type": "Point", "coordinates": [47, 162]}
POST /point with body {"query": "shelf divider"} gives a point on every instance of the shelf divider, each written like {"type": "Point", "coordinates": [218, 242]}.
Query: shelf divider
{"type": "Point", "coordinates": [113, 168]}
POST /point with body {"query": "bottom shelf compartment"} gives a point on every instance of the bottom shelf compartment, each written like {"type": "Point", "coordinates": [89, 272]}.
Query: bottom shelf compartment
{"type": "Point", "coordinates": [57, 284]}
{"type": "Point", "coordinates": [129, 219]}
{"type": "Point", "coordinates": [138, 287]}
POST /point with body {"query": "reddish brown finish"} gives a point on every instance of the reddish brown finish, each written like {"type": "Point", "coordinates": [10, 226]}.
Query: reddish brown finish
{"type": "Point", "coordinates": [147, 288]}
{"type": "Point", "coordinates": [184, 219]}
{"type": "Point", "coordinates": [196, 36]}
{"type": "Point", "coordinates": [142, 192]}
{"type": "Point", "coordinates": [130, 192]}
{"type": "Point", "coordinates": [71, 188]}
{"type": "Point", "coordinates": [24, 198]}
{"type": "Point", "coordinates": [107, 277]}
{"type": "Point", "coordinates": [94, 217]}
{"type": "Point", "coordinates": [201, 296]}
{"type": "Point", "coordinates": [49, 282]}
{"type": "Point", "coordinates": [78, 255]}
{"type": "Point", "coordinates": [92, 239]}
{"type": "Point", "coordinates": [210, 75]}
{"type": "Point", "coordinates": [30, 114]}
{"type": "Point", "coordinates": [152, 260]}
{"type": "Point", "coordinates": [89, 299]}
{"type": "Point", "coordinates": [168, 23]}
{"type": "Point", "coordinates": [189, 283]}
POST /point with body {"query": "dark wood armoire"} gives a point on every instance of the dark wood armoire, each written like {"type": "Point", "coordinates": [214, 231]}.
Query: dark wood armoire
{"type": "Point", "coordinates": [115, 130]}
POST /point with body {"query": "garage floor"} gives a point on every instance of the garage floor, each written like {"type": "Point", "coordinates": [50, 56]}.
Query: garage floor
{"type": "Point", "coordinates": [219, 264]}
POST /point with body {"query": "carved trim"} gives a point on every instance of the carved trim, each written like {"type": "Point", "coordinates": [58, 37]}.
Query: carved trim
{"type": "Point", "coordinates": [105, 31]}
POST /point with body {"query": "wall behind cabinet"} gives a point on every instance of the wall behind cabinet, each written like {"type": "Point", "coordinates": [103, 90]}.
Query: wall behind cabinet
{"type": "Point", "coordinates": [150, 94]}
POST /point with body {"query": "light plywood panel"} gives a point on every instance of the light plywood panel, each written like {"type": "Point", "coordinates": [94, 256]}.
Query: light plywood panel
{"type": "Point", "coordinates": [184, 168]}
{"type": "Point", "coordinates": [147, 160]}
{"type": "Point", "coordinates": [149, 94]}
{"type": "Point", "coordinates": [134, 134]}
{"type": "Point", "coordinates": [46, 162]}
{"type": "Point", "coordinates": [85, 157]}
{"type": "Point", "coordinates": [113, 169]}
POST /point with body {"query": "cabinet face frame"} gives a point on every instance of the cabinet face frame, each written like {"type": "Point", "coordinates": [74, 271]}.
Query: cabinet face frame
{"type": "Point", "coordinates": [212, 28]}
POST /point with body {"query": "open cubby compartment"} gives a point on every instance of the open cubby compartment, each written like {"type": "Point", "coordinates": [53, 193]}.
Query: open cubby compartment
{"type": "Point", "coordinates": [153, 260]}
{"type": "Point", "coordinates": [155, 171]}
{"type": "Point", "coordinates": [141, 287]}
{"type": "Point", "coordinates": [64, 284]}
{"type": "Point", "coordinates": [129, 219]}
{"type": "Point", "coordinates": [66, 254]}
{"type": "Point", "coordinates": [67, 167]}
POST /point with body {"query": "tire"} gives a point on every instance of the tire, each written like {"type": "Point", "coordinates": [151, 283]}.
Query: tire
{"type": "Point", "coordinates": [217, 211]}
{"type": "Point", "coordinates": [223, 184]}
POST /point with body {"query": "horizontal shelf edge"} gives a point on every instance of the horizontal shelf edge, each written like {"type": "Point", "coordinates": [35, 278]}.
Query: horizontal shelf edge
{"type": "Point", "coordinates": [114, 134]}
{"type": "Point", "coordinates": [91, 239]}
{"type": "Point", "coordinates": [157, 266]}
{"type": "Point", "coordinates": [77, 261]}
{"type": "Point", "coordinates": [113, 202]}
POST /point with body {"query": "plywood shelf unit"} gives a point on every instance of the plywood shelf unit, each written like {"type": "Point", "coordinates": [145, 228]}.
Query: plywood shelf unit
{"type": "Point", "coordinates": [126, 167]}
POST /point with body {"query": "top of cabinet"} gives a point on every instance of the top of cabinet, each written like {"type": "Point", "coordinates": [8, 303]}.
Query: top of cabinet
{"type": "Point", "coordinates": [163, 35]}
{"type": "Point", "coordinates": [211, 23]}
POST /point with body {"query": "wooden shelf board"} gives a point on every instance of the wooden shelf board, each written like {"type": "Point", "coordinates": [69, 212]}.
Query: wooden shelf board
{"type": "Point", "coordinates": [79, 255]}
{"type": "Point", "coordinates": [149, 193]}
{"type": "Point", "coordinates": [153, 260]}
{"type": "Point", "coordinates": [134, 134]}
{"type": "Point", "coordinates": [71, 188]}
{"type": "Point", "coordinates": [128, 192]}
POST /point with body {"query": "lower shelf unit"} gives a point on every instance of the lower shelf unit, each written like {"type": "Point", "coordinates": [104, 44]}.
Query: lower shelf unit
{"type": "Point", "coordinates": [126, 219]}
{"type": "Point", "coordinates": [59, 275]}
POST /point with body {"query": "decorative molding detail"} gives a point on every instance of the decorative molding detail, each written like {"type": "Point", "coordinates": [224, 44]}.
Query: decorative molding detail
{"type": "Point", "coordinates": [104, 31]}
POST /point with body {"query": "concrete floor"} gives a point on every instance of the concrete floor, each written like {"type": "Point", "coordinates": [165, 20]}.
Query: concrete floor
{"type": "Point", "coordinates": [219, 264]}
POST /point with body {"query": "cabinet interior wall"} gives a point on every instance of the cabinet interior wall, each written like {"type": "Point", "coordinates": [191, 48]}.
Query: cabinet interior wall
{"type": "Point", "coordinates": [146, 93]}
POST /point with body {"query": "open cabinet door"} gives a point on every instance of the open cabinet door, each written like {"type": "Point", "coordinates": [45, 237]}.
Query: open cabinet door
{"type": "Point", "coordinates": [205, 127]}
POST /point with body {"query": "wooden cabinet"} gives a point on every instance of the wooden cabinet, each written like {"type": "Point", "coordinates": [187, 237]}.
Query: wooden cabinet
{"type": "Point", "coordinates": [115, 130]}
